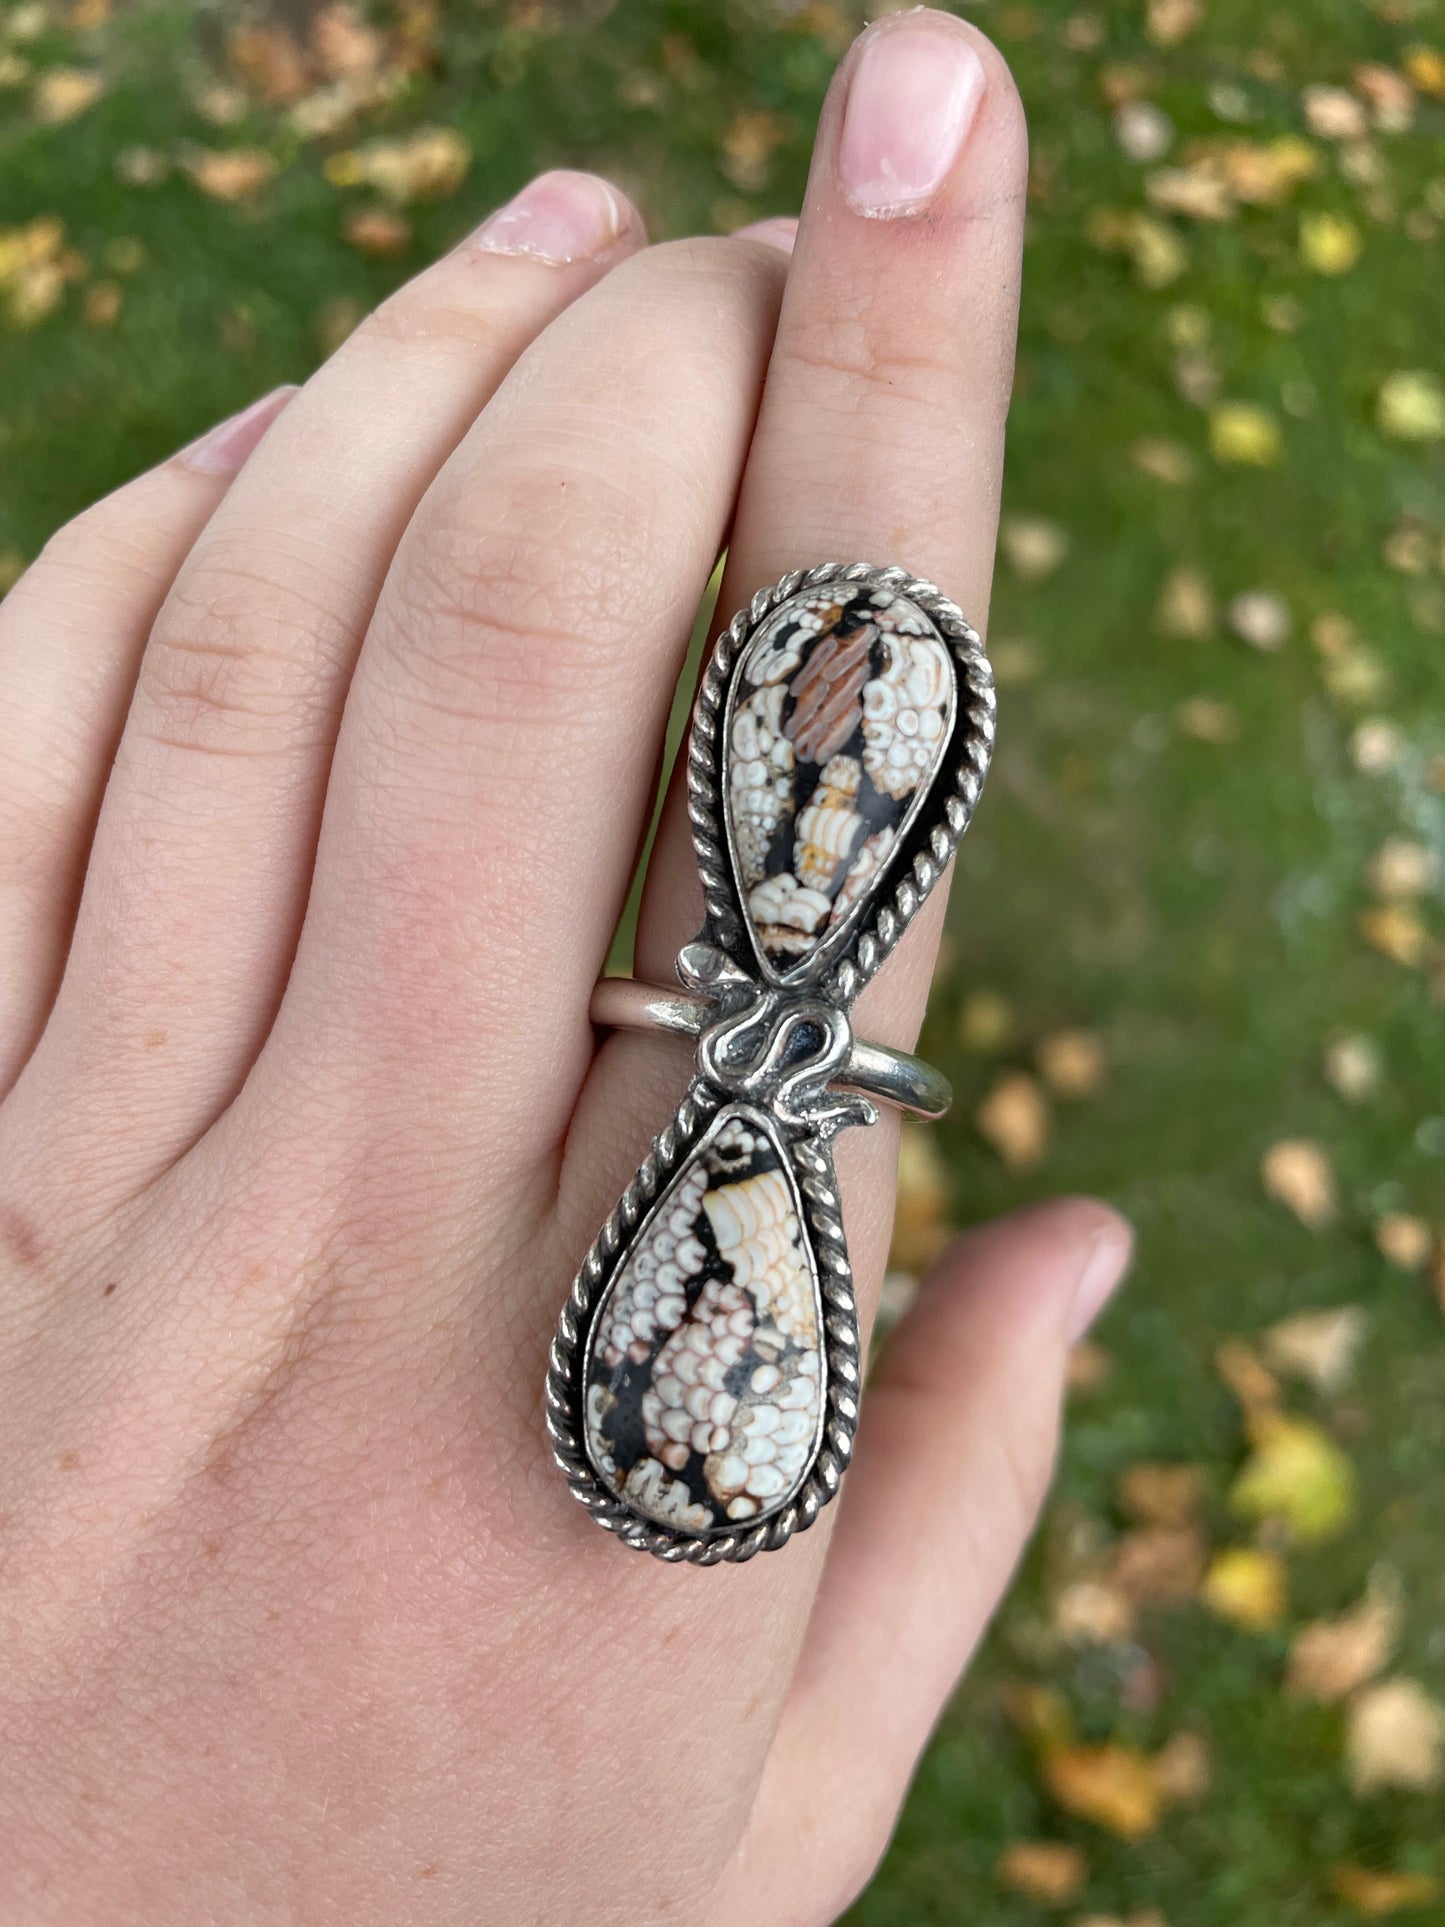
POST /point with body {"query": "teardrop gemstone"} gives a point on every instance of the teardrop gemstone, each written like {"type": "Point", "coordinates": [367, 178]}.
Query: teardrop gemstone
{"type": "Point", "coordinates": [839, 716]}
{"type": "Point", "coordinates": [704, 1374]}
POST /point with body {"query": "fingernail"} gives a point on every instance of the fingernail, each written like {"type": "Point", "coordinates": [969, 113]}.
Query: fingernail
{"type": "Point", "coordinates": [557, 218]}
{"type": "Point", "coordinates": [912, 99]}
{"type": "Point", "coordinates": [781, 231]}
{"type": "Point", "coordinates": [1105, 1265]}
{"type": "Point", "coordinates": [225, 449]}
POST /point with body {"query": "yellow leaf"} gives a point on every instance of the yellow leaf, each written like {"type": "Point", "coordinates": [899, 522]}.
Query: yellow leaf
{"type": "Point", "coordinates": [1044, 1870]}
{"type": "Point", "coordinates": [1247, 1587]}
{"type": "Point", "coordinates": [1242, 433]}
{"type": "Point", "coordinates": [1089, 1612]}
{"type": "Point", "coordinates": [1014, 1119]}
{"type": "Point", "coordinates": [1411, 406]}
{"type": "Point", "coordinates": [1403, 1241]}
{"type": "Point", "coordinates": [1401, 868]}
{"type": "Point", "coordinates": [231, 174]}
{"type": "Point", "coordinates": [426, 166]}
{"type": "Point", "coordinates": [1397, 933]}
{"type": "Point", "coordinates": [1378, 1894]}
{"type": "Point", "coordinates": [64, 93]}
{"type": "Point", "coordinates": [1297, 1173]}
{"type": "Point", "coordinates": [1113, 1785]}
{"type": "Point", "coordinates": [1329, 243]}
{"type": "Point", "coordinates": [1170, 21]}
{"type": "Point", "coordinates": [1072, 1062]}
{"type": "Point", "coordinates": [1394, 1738]}
{"type": "Point", "coordinates": [1033, 546]}
{"type": "Point", "coordinates": [1332, 1658]}
{"type": "Point", "coordinates": [1186, 606]}
{"type": "Point", "coordinates": [1426, 68]}
{"type": "Point", "coordinates": [1296, 1474]}
{"type": "Point", "coordinates": [985, 1021]}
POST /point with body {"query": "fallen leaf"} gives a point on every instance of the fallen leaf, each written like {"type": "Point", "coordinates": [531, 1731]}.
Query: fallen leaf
{"type": "Point", "coordinates": [1244, 434]}
{"type": "Point", "coordinates": [1403, 1241]}
{"type": "Point", "coordinates": [426, 166]}
{"type": "Point", "coordinates": [377, 230]}
{"type": "Point", "coordinates": [1247, 1376]}
{"type": "Point", "coordinates": [1411, 406]}
{"type": "Point", "coordinates": [271, 62]}
{"type": "Point", "coordinates": [1400, 868]}
{"type": "Point", "coordinates": [103, 302]}
{"type": "Point", "coordinates": [1395, 1737]}
{"type": "Point", "coordinates": [1207, 720]}
{"type": "Point", "coordinates": [1143, 131]}
{"type": "Point", "coordinates": [1159, 1565]}
{"type": "Point", "coordinates": [1088, 1367]}
{"type": "Point", "coordinates": [346, 48]}
{"type": "Point", "coordinates": [64, 93]}
{"type": "Point", "coordinates": [1329, 243]}
{"type": "Point", "coordinates": [1332, 1658]}
{"type": "Point", "coordinates": [1375, 746]}
{"type": "Point", "coordinates": [1157, 253]}
{"type": "Point", "coordinates": [1044, 1870]}
{"type": "Point", "coordinates": [1297, 1173]}
{"type": "Point", "coordinates": [1033, 546]}
{"type": "Point", "coordinates": [921, 1226]}
{"type": "Point", "coordinates": [1113, 1785]}
{"type": "Point", "coordinates": [985, 1021]}
{"type": "Point", "coordinates": [1184, 1768]}
{"type": "Point", "coordinates": [1162, 1495]}
{"type": "Point", "coordinates": [1318, 1346]}
{"type": "Point", "coordinates": [1194, 192]}
{"type": "Point", "coordinates": [1014, 1119]}
{"type": "Point", "coordinates": [1167, 22]}
{"type": "Point", "coordinates": [231, 174]}
{"type": "Point", "coordinates": [1260, 619]}
{"type": "Point", "coordinates": [1352, 1067]}
{"type": "Point", "coordinates": [1186, 606]}
{"type": "Point", "coordinates": [1397, 933]}
{"type": "Point", "coordinates": [1072, 1062]}
{"type": "Point", "coordinates": [1090, 1612]}
{"type": "Point", "coordinates": [1335, 114]}
{"type": "Point", "coordinates": [1378, 1894]}
{"type": "Point", "coordinates": [1166, 461]}
{"type": "Point", "coordinates": [1247, 1587]}
{"type": "Point", "coordinates": [1297, 1475]}
{"type": "Point", "coordinates": [1263, 173]}
{"type": "Point", "coordinates": [1426, 69]}
{"type": "Point", "coordinates": [1390, 96]}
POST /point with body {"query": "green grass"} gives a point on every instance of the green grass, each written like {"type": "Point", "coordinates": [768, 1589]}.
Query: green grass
{"type": "Point", "coordinates": [1196, 904]}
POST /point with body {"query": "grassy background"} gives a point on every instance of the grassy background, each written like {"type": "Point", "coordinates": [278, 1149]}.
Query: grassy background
{"type": "Point", "coordinates": [1194, 904]}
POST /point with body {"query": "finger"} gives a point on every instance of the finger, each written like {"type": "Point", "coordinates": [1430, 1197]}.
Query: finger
{"type": "Point", "coordinates": [501, 740]}
{"type": "Point", "coordinates": [954, 1457]}
{"type": "Point", "coordinates": [71, 635]}
{"type": "Point", "coordinates": [202, 855]}
{"type": "Point", "coordinates": [880, 439]}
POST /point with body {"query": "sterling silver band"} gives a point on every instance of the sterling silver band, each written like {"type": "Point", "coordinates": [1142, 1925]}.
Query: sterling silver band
{"type": "Point", "coordinates": [894, 1076]}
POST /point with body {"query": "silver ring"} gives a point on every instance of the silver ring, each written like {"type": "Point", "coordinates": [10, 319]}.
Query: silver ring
{"type": "Point", "coordinates": [893, 1076]}
{"type": "Point", "coordinates": [702, 1391]}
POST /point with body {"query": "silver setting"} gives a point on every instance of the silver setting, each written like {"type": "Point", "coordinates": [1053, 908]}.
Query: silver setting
{"type": "Point", "coordinates": [781, 1048]}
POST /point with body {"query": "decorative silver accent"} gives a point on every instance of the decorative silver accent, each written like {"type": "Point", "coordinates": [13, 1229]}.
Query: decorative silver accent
{"type": "Point", "coordinates": [893, 1076]}
{"type": "Point", "coordinates": [777, 1044]}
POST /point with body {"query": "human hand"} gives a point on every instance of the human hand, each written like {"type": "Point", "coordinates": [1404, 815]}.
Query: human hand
{"type": "Point", "coordinates": [305, 1127]}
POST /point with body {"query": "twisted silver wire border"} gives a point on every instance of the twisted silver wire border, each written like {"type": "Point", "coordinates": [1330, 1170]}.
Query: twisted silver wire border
{"type": "Point", "coordinates": [974, 733]}
{"type": "Point", "coordinates": [809, 1156]}
{"type": "Point", "coordinates": [812, 1166]}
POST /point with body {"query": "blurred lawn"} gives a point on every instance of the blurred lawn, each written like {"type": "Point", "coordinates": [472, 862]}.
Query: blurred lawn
{"type": "Point", "coordinates": [1176, 853]}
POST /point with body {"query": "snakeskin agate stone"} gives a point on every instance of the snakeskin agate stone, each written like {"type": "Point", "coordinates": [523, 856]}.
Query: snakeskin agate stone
{"type": "Point", "coordinates": [839, 717]}
{"type": "Point", "coordinates": [705, 1366]}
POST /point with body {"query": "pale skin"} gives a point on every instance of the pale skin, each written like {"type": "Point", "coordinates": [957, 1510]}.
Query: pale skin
{"type": "Point", "coordinates": [325, 750]}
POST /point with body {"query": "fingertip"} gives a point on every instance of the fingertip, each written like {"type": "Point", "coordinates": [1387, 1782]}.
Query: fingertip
{"type": "Point", "coordinates": [779, 231]}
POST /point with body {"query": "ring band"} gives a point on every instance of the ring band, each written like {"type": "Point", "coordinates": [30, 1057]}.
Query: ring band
{"type": "Point", "coordinates": [702, 1390]}
{"type": "Point", "coordinates": [894, 1076]}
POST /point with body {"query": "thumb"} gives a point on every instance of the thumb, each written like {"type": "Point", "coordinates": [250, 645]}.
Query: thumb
{"type": "Point", "coordinates": [955, 1453]}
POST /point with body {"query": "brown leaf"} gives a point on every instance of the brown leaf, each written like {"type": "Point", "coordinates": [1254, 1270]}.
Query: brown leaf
{"type": "Point", "coordinates": [1089, 1612]}
{"type": "Point", "coordinates": [1044, 1870]}
{"type": "Point", "coordinates": [425, 166]}
{"type": "Point", "coordinates": [1394, 1738]}
{"type": "Point", "coordinates": [1167, 22]}
{"type": "Point", "coordinates": [232, 173]}
{"type": "Point", "coordinates": [377, 230]}
{"type": "Point", "coordinates": [748, 147]}
{"type": "Point", "coordinates": [1162, 1495]}
{"type": "Point", "coordinates": [1014, 1119]}
{"type": "Point", "coordinates": [1113, 1785]}
{"type": "Point", "coordinates": [1072, 1062]}
{"type": "Point", "coordinates": [1184, 1768]}
{"type": "Point", "coordinates": [64, 93]}
{"type": "Point", "coordinates": [1207, 720]}
{"type": "Point", "coordinates": [1331, 1658]}
{"type": "Point", "coordinates": [271, 63]}
{"type": "Point", "coordinates": [346, 48]}
{"type": "Point", "coordinates": [1247, 1376]}
{"type": "Point", "coordinates": [1159, 1565]}
{"type": "Point", "coordinates": [1186, 606]}
{"type": "Point", "coordinates": [1297, 1173]}
{"type": "Point", "coordinates": [1403, 1240]}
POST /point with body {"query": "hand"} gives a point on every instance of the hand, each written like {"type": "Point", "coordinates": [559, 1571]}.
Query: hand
{"type": "Point", "coordinates": [325, 750]}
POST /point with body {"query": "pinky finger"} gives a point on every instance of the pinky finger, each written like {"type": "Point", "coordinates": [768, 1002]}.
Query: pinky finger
{"type": "Point", "coordinates": [957, 1446]}
{"type": "Point", "coordinates": [72, 631]}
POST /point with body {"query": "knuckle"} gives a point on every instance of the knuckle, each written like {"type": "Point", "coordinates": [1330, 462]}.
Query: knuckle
{"type": "Point", "coordinates": [425, 312]}
{"type": "Point", "coordinates": [237, 665]}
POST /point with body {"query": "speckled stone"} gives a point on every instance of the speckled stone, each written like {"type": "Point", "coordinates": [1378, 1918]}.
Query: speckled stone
{"type": "Point", "coordinates": [704, 1379]}
{"type": "Point", "coordinates": [838, 720]}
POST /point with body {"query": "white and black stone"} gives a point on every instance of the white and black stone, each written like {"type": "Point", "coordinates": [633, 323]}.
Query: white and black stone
{"type": "Point", "coordinates": [837, 722]}
{"type": "Point", "coordinates": [705, 1368]}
